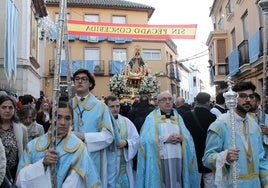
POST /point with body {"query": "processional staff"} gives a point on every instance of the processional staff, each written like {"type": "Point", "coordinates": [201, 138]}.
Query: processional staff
{"type": "Point", "coordinates": [56, 88]}
{"type": "Point", "coordinates": [67, 57]}
{"type": "Point", "coordinates": [231, 102]}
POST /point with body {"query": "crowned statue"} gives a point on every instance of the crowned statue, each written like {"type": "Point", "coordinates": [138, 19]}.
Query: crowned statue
{"type": "Point", "coordinates": [136, 66]}
{"type": "Point", "coordinates": [134, 78]}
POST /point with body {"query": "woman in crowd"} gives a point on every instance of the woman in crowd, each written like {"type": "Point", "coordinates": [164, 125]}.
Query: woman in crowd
{"type": "Point", "coordinates": [12, 133]}
{"type": "Point", "coordinates": [41, 119]}
{"type": "Point", "coordinates": [27, 116]}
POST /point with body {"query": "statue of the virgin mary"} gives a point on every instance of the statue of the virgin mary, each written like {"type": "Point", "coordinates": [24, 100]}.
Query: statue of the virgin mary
{"type": "Point", "coordinates": [137, 64]}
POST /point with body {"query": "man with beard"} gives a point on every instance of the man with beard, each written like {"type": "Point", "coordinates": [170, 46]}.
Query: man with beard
{"type": "Point", "coordinates": [249, 153]}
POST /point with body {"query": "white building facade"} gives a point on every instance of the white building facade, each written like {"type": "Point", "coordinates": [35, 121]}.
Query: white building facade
{"type": "Point", "coordinates": [19, 56]}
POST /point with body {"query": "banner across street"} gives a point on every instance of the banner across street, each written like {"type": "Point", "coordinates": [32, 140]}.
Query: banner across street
{"type": "Point", "coordinates": [186, 31]}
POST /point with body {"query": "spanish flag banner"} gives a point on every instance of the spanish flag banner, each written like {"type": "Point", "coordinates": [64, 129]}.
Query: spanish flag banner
{"type": "Point", "coordinates": [141, 31]}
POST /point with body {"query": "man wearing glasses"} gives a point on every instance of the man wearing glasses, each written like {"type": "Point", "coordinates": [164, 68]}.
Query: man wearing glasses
{"type": "Point", "coordinates": [93, 125]}
{"type": "Point", "coordinates": [166, 156]}
{"type": "Point", "coordinates": [249, 152]}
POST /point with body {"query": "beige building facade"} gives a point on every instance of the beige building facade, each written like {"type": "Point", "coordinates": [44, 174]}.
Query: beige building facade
{"type": "Point", "coordinates": [236, 43]}
{"type": "Point", "coordinates": [99, 54]}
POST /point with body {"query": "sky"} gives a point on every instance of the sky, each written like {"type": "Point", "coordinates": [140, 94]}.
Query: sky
{"type": "Point", "coordinates": [186, 12]}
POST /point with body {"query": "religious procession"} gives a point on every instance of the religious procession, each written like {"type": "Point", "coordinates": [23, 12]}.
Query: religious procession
{"type": "Point", "coordinates": [81, 121]}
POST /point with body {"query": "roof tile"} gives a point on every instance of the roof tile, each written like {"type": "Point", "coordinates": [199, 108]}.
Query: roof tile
{"type": "Point", "coordinates": [104, 3]}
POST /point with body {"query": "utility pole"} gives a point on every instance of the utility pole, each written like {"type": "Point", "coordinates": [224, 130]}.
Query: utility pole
{"type": "Point", "coordinates": [264, 6]}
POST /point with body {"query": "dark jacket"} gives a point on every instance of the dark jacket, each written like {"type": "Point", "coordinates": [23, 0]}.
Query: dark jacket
{"type": "Point", "coordinates": [138, 114]}
{"type": "Point", "coordinates": [205, 118]}
{"type": "Point", "coordinates": [182, 109]}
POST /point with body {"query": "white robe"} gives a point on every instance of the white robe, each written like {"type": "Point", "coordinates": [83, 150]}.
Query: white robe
{"type": "Point", "coordinates": [131, 150]}
{"type": "Point", "coordinates": [96, 141]}
{"type": "Point", "coordinates": [35, 176]}
{"type": "Point", "coordinates": [171, 156]}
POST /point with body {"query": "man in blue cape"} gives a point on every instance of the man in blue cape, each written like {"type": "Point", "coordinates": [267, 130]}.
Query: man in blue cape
{"type": "Point", "coordinates": [166, 157]}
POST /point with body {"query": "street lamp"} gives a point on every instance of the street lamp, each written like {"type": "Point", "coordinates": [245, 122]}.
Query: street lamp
{"type": "Point", "coordinates": [264, 6]}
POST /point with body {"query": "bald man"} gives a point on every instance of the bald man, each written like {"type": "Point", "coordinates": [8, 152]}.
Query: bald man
{"type": "Point", "coordinates": [181, 106]}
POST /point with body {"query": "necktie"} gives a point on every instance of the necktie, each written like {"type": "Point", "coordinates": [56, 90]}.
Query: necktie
{"type": "Point", "coordinates": [82, 99]}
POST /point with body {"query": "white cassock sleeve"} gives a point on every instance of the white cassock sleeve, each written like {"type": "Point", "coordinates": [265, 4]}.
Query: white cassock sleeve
{"type": "Point", "coordinates": [133, 141]}
{"type": "Point", "coordinates": [73, 181]}
{"type": "Point", "coordinates": [34, 176]}
{"type": "Point", "coordinates": [96, 141]}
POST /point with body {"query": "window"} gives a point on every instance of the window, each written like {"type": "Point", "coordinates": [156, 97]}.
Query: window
{"type": "Point", "coordinates": [245, 25]}
{"type": "Point", "coordinates": [233, 39]}
{"type": "Point", "coordinates": [221, 21]}
{"type": "Point", "coordinates": [230, 7]}
{"type": "Point", "coordinates": [119, 19]}
{"type": "Point", "coordinates": [93, 54]}
{"type": "Point", "coordinates": [151, 54]}
{"type": "Point", "coordinates": [120, 54]}
{"type": "Point", "coordinates": [221, 50]}
{"type": "Point", "coordinates": [91, 18]}
{"type": "Point", "coordinates": [229, 10]}
{"type": "Point", "coordinates": [260, 16]}
{"type": "Point", "coordinates": [222, 69]}
{"type": "Point", "coordinates": [118, 62]}
{"type": "Point", "coordinates": [194, 81]}
{"type": "Point", "coordinates": [220, 24]}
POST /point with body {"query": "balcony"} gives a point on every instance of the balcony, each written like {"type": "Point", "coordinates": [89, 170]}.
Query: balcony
{"type": "Point", "coordinates": [98, 67]}
{"type": "Point", "coordinates": [218, 73]}
{"type": "Point", "coordinates": [243, 53]}
{"type": "Point", "coordinates": [92, 39]}
{"type": "Point", "coordinates": [116, 67]}
{"type": "Point", "coordinates": [255, 43]}
{"type": "Point", "coordinates": [94, 66]}
{"type": "Point", "coordinates": [229, 10]}
{"type": "Point", "coordinates": [119, 40]}
{"type": "Point", "coordinates": [172, 70]}
{"type": "Point", "coordinates": [233, 62]}
{"type": "Point", "coordinates": [216, 35]}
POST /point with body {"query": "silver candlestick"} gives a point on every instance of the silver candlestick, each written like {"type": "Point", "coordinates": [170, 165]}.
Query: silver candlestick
{"type": "Point", "coordinates": [231, 102]}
